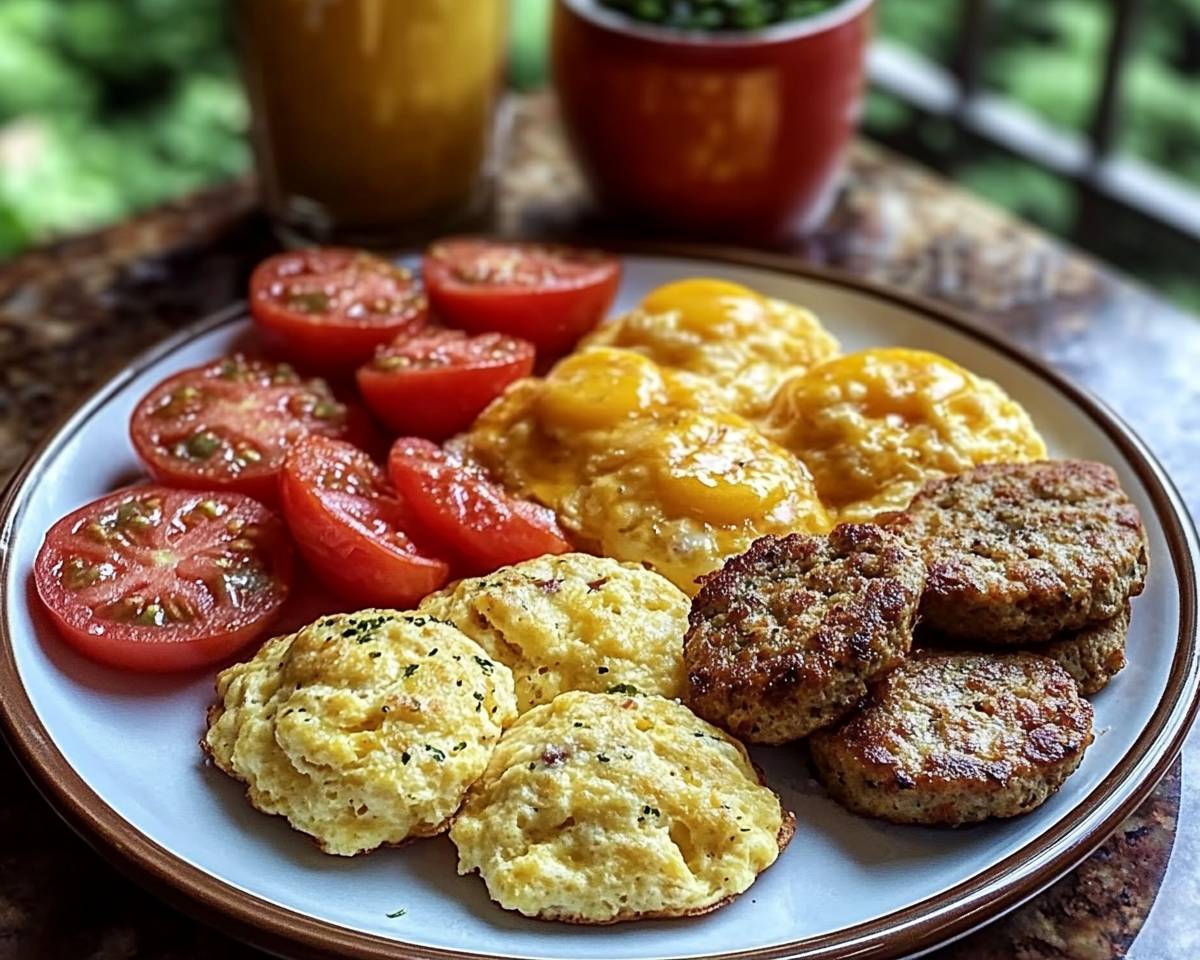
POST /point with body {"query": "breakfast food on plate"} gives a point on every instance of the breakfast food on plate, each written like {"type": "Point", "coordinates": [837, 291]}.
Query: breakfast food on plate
{"type": "Point", "coordinates": [873, 426]}
{"type": "Point", "coordinates": [745, 343]}
{"type": "Point", "coordinates": [477, 521]}
{"type": "Point", "coordinates": [351, 527]}
{"type": "Point", "coordinates": [709, 442]}
{"type": "Point", "coordinates": [785, 637]}
{"type": "Point", "coordinates": [228, 424]}
{"type": "Point", "coordinates": [947, 739]}
{"type": "Point", "coordinates": [598, 808]}
{"type": "Point", "coordinates": [548, 295]}
{"type": "Point", "coordinates": [331, 307]}
{"type": "Point", "coordinates": [361, 729]}
{"type": "Point", "coordinates": [1018, 553]}
{"type": "Point", "coordinates": [1092, 655]}
{"type": "Point", "coordinates": [573, 622]}
{"type": "Point", "coordinates": [436, 384]}
{"type": "Point", "coordinates": [155, 579]}
{"type": "Point", "coordinates": [641, 463]}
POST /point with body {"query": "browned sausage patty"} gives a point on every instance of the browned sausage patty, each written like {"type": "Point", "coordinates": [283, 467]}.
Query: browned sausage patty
{"type": "Point", "coordinates": [1020, 552]}
{"type": "Point", "coordinates": [947, 739]}
{"type": "Point", "coordinates": [1093, 655]}
{"type": "Point", "coordinates": [783, 639]}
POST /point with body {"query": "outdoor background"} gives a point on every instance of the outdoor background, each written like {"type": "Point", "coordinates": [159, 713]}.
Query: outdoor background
{"type": "Point", "coordinates": [110, 106]}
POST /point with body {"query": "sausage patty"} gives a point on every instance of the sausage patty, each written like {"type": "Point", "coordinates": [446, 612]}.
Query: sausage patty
{"type": "Point", "coordinates": [784, 638]}
{"type": "Point", "coordinates": [1020, 552]}
{"type": "Point", "coordinates": [947, 739]}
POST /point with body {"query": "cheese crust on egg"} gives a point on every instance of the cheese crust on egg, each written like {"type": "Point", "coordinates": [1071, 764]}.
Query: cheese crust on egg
{"type": "Point", "coordinates": [598, 808]}
{"type": "Point", "coordinates": [361, 729]}
{"type": "Point", "coordinates": [873, 426]}
{"type": "Point", "coordinates": [573, 622]}
{"type": "Point", "coordinates": [744, 343]}
{"type": "Point", "coordinates": [644, 464]}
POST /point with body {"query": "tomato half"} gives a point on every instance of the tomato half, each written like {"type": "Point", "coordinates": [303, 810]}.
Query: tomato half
{"type": "Point", "coordinates": [155, 579]}
{"type": "Point", "coordinates": [352, 528]}
{"type": "Point", "coordinates": [436, 385]}
{"type": "Point", "coordinates": [330, 307]}
{"type": "Point", "coordinates": [473, 516]}
{"type": "Point", "coordinates": [548, 295]}
{"type": "Point", "coordinates": [229, 423]}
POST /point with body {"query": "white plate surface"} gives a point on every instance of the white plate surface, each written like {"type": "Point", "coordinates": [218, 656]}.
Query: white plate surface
{"type": "Point", "coordinates": [133, 740]}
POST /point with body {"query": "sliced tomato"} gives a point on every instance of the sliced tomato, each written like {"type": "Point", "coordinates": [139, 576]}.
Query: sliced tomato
{"type": "Point", "coordinates": [437, 384]}
{"type": "Point", "coordinates": [156, 579]}
{"type": "Point", "coordinates": [329, 308]}
{"type": "Point", "coordinates": [228, 424]}
{"type": "Point", "coordinates": [548, 295]}
{"type": "Point", "coordinates": [352, 528]}
{"type": "Point", "coordinates": [476, 518]}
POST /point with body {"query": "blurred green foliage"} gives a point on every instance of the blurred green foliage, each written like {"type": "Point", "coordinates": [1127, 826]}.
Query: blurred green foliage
{"type": "Point", "coordinates": [110, 106]}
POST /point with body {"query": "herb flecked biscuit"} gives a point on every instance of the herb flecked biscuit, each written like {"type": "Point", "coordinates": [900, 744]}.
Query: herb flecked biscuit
{"type": "Point", "coordinates": [1021, 552]}
{"type": "Point", "coordinates": [361, 729]}
{"type": "Point", "coordinates": [947, 739]}
{"type": "Point", "coordinates": [573, 622]}
{"type": "Point", "coordinates": [598, 808]}
{"type": "Point", "coordinates": [785, 637]}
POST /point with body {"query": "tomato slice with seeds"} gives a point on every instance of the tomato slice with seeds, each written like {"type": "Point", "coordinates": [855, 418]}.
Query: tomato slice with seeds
{"type": "Point", "coordinates": [155, 579]}
{"type": "Point", "coordinates": [330, 307]}
{"type": "Point", "coordinates": [352, 528]}
{"type": "Point", "coordinates": [228, 424]}
{"type": "Point", "coordinates": [548, 295]}
{"type": "Point", "coordinates": [460, 506]}
{"type": "Point", "coordinates": [437, 384]}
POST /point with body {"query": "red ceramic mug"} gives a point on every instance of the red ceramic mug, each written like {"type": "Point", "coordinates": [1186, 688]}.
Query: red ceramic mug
{"type": "Point", "coordinates": [737, 135]}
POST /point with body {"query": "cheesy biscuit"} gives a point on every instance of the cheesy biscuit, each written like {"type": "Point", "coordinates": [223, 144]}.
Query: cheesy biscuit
{"type": "Point", "coordinates": [598, 808]}
{"type": "Point", "coordinates": [573, 622]}
{"type": "Point", "coordinates": [361, 729]}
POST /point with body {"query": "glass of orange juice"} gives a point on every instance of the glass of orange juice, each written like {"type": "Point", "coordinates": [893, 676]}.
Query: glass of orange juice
{"type": "Point", "coordinates": [372, 119]}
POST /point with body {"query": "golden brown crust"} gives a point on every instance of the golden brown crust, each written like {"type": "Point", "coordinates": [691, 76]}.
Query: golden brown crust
{"type": "Point", "coordinates": [784, 638]}
{"type": "Point", "coordinates": [1018, 553]}
{"type": "Point", "coordinates": [948, 739]}
{"type": "Point", "coordinates": [1093, 655]}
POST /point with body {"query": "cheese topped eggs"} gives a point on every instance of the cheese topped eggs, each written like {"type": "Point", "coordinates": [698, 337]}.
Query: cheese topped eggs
{"type": "Point", "coordinates": [598, 807]}
{"type": "Point", "coordinates": [643, 464]}
{"type": "Point", "coordinates": [741, 341]}
{"type": "Point", "coordinates": [573, 622]}
{"type": "Point", "coordinates": [362, 729]}
{"type": "Point", "coordinates": [874, 426]}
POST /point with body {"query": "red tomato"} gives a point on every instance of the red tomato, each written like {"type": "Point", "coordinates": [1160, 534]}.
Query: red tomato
{"type": "Point", "coordinates": [155, 579]}
{"type": "Point", "coordinates": [331, 307]}
{"type": "Point", "coordinates": [229, 424]}
{"type": "Point", "coordinates": [548, 295]}
{"type": "Point", "coordinates": [436, 385]}
{"type": "Point", "coordinates": [462, 508]}
{"type": "Point", "coordinates": [351, 527]}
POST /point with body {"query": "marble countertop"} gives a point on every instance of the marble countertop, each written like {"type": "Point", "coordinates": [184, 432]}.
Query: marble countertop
{"type": "Point", "coordinates": [72, 313]}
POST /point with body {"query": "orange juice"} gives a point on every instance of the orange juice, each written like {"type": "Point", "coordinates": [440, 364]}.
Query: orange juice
{"type": "Point", "coordinates": [372, 118]}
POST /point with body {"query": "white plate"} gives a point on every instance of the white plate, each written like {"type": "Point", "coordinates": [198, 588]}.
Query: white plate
{"type": "Point", "coordinates": [117, 754]}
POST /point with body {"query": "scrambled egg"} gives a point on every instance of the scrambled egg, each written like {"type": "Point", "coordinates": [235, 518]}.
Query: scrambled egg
{"type": "Point", "coordinates": [598, 807]}
{"type": "Point", "coordinates": [743, 342]}
{"type": "Point", "coordinates": [573, 622]}
{"type": "Point", "coordinates": [362, 729]}
{"type": "Point", "coordinates": [643, 464]}
{"type": "Point", "coordinates": [874, 426]}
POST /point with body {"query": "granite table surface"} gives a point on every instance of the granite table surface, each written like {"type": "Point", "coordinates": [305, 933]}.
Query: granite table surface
{"type": "Point", "coordinates": [71, 314]}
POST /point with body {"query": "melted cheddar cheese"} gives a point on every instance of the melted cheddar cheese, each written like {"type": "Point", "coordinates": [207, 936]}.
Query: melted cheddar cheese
{"type": "Point", "coordinates": [643, 464]}
{"type": "Point", "coordinates": [873, 426]}
{"type": "Point", "coordinates": [745, 344]}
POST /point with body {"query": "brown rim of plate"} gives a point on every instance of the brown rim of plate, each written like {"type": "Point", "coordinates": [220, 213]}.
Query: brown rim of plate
{"type": "Point", "coordinates": [952, 913]}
